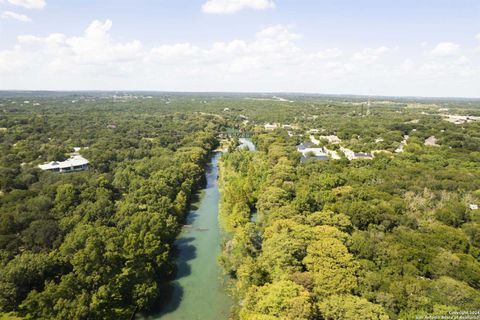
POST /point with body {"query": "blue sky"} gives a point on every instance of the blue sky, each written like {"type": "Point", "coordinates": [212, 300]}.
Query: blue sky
{"type": "Point", "coordinates": [423, 48]}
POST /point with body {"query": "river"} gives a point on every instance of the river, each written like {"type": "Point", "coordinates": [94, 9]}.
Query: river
{"type": "Point", "coordinates": [199, 289]}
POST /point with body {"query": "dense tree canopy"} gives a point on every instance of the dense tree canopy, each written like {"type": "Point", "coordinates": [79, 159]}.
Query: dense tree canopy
{"type": "Point", "coordinates": [95, 244]}
{"type": "Point", "coordinates": [393, 237]}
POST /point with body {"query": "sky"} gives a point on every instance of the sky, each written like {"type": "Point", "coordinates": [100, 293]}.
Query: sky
{"type": "Point", "coordinates": [371, 47]}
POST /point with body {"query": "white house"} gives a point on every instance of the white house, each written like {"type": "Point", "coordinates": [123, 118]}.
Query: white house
{"type": "Point", "coordinates": [351, 155]}
{"type": "Point", "coordinates": [473, 206]}
{"type": "Point", "coordinates": [333, 139]}
{"type": "Point", "coordinates": [306, 149]}
{"type": "Point", "coordinates": [75, 163]}
{"type": "Point", "coordinates": [458, 119]}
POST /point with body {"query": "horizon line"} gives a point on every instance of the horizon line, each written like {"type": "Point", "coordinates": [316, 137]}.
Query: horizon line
{"type": "Point", "coordinates": [242, 92]}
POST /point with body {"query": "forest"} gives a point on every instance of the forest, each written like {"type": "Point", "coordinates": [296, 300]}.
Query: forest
{"type": "Point", "coordinates": [393, 237]}
{"type": "Point", "coordinates": [95, 244]}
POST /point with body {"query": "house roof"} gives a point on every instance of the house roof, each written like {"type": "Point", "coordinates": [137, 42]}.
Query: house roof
{"type": "Point", "coordinates": [362, 155]}
{"type": "Point", "coordinates": [75, 160]}
{"type": "Point", "coordinates": [304, 145]}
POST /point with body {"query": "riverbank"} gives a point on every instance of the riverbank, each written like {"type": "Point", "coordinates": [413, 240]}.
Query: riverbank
{"type": "Point", "coordinates": [199, 289]}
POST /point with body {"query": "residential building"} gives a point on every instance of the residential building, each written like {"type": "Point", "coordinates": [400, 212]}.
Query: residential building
{"type": "Point", "coordinates": [309, 150]}
{"type": "Point", "coordinates": [75, 163]}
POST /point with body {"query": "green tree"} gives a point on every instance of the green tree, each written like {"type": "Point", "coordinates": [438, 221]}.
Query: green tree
{"type": "Point", "coordinates": [278, 300]}
{"type": "Point", "coordinates": [332, 267]}
{"type": "Point", "coordinates": [349, 307]}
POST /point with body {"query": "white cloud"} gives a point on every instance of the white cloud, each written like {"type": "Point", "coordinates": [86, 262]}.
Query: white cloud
{"type": "Point", "coordinates": [95, 46]}
{"type": "Point", "coordinates": [278, 33]}
{"type": "Point", "coordinates": [273, 59]}
{"type": "Point", "coordinates": [29, 4]}
{"type": "Point", "coordinates": [232, 6]}
{"type": "Point", "coordinates": [328, 53]}
{"type": "Point", "coordinates": [16, 16]}
{"type": "Point", "coordinates": [406, 67]}
{"type": "Point", "coordinates": [90, 53]}
{"type": "Point", "coordinates": [478, 36]}
{"type": "Point", "coordinates": [369, 55]}
{"type": "Point", "coordinates": [51, 40]}
{"type": "Point", "coordinates": [175, 50]}
{"type": "Point", "coordinates": [445, 49]}
{"type": "Point", "coordinates": [462, 60]}
{"type": "Point", "coordinates": [272, 45]}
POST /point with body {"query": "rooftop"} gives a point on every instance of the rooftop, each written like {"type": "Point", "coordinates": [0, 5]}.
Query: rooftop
{"type": "Point", "coordinates": [308, 149]}
{"type": "Point", "coordinates": [304, 146]}
{"type": "Point", "coordinates": [69, 164]}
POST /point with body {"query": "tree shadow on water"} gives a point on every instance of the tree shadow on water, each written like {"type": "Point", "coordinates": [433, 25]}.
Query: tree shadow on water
{"type": "Point", "coordinates": [184, 252]}
{"type": "Point", "coordinates": [171, 293]}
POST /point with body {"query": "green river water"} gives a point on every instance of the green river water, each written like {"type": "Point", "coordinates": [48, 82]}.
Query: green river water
{"type": "Point", "coordinates": [199, 289]}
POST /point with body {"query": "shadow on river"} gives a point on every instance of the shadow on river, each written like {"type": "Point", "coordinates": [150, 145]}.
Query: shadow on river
{"type": "Point", "coordinates": [199, 288]}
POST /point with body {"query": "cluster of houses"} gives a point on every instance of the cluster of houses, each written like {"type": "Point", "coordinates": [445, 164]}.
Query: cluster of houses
{"type": "Point", "coordinates": [332, 139]}
{"type": "Point", "coordinates": [457, 119]}
{"type": "Point", "coordinates": [75, 163]}
{"type": "Point", "coordinates": [311, 150]}
{"type": "Point", "coordinates": [273, 126]}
